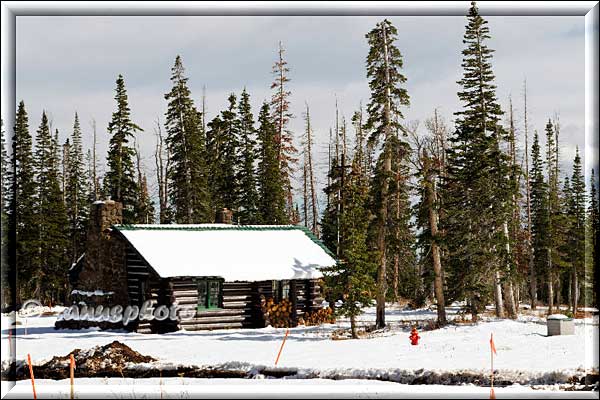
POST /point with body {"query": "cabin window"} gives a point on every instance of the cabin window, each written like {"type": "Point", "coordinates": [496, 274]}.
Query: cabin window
{"type": "Point", "coordinates": [281, 290]}
{"type": "Point", "coordinates": [209, 294]}
{"type": "Point", "coordinates": [285, 289]}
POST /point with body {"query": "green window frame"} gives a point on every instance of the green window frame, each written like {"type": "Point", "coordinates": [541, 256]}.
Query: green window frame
{"type": "Point", "coordinates": [209, 294]}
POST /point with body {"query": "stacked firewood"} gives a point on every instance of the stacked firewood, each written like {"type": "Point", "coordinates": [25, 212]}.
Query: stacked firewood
{"type": "Point", "coordinates": [322, 316]}
{"type": "Point", "coordinates": [278, 315]}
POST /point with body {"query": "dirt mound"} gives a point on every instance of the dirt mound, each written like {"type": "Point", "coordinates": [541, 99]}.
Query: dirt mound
{"type": "Point", "coordinates": [108, 360]}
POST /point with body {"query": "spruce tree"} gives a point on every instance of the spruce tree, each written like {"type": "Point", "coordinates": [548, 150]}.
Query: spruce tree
{"type": "Point", "coordinates": [248, 195]}
{"type": "Point", "coordinates": [223, 147]}
{"type": "Point", "coordinates": [384, 64]}
{"type": "Point", "coordinates": [352, 279]}
{"type": "Point", "coordinates": [330, 219]}
{"type": "Point", "coordinates": [577, 214]}
{"type": "Point", "coordinates": [594, 223]}
{"type": "Point", "coordinates": [23, 227]}
{"type": "Point", "coordinates": [4, 207]}
{"type": "Point", "coordinates": [119, 181]}
{"type": "Point", "coordinates": [562, 262]}
{"type": "Point", "coordinates": [187, 174]}
{"type": "Point", "coordinates": [477, 187]}
{"type": "Point", "coordinates": [144, 206]}
{"type": "Point", "coordinates": [4, 170]}
{"type": "Point", "coordinates": [539, 210]}
{"type": "Point", "coordinates": [554, 228]}
{"type": "Point", "coordinates": [51, 220]}
{"type": "Point", "coordinates": [271, 193]}
{"type": "Point", "coordinates": [76, 196]}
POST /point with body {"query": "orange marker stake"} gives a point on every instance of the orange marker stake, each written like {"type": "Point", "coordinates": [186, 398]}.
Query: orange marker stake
{"type": "Point", "coordinates": [72, 373]}
{"type": "Point", "coordinates": [31, 375]}
{"type": "Point", "coordinates": [492, 352]}
{"type": "Point", "coordinates": [287, 331]}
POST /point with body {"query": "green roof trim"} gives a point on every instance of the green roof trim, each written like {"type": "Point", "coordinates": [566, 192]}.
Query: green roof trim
{"type": "Point", "coordinates": [167, 227]}
{"type": "Point", "coordinates": [318, 241]}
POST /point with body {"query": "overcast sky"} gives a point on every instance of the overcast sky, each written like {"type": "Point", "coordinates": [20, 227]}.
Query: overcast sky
{"type": "Point", "coordinates": [68, 64]}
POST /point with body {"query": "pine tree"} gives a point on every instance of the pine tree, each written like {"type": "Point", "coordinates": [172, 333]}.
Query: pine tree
{"type": "Point", "coordinates": [4, 205]}
{"type": "Point", "coordinates": [4, 170]}
{"type": "Point", "coordinates": [76, 196]}
{"type": "Point", "coordinates": [51, 220]}
{"type": "Point", "coordinates": [223, 144]}
{"type": "Point", "coordinates": [187, 174]}
{"type": "Point", "coordinates": [384, 63]}
{"type": "Point", "coordinates": [594, 223]}
{"type": "Point", "coordinates": [539, 209]}
{"type": "Point", "coordinates": [528, 239]}
{"type": "Point", "coordinates": [330, 218]}
{"type": "Point", "coordinates": [248, 200]}
{"type": "Point", "coordinates": [562, 262]}
{"type": "Point", "coordinates": [284, 138]}
{"type": "Point", "coordinates": [553, 209]}
{"type": "Point", "coordinates": [477, 187]}
{"type": "Point", "coordinates": [120, 182]}
{"type": "Point", "coordinates": [144, 207]}
{"type": "Point", "coordinates": [577, 213]}
{"type": "Point", "coordinates": [22, 228]}
{"type": "Point", "coordinates": [352, 278]}
{"type": "Point", "coordinates": [271, 193]}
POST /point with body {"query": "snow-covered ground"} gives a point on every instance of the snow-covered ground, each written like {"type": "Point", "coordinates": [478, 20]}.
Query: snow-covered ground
{"type": "Point", "coordinates": [523, 350]}
{"type": "Point", "coordinates": [178, 388]}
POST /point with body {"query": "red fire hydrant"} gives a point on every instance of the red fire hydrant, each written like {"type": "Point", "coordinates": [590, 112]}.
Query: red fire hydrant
{"type": "Point", "coordinates": [414, 337]}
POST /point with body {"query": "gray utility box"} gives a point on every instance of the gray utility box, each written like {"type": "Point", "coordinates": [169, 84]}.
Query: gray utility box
{"type": "Point", "coordinates": [559, 324]}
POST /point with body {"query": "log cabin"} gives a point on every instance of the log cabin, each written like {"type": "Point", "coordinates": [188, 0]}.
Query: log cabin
{"type": "Point", "coordinates": [219, 274]}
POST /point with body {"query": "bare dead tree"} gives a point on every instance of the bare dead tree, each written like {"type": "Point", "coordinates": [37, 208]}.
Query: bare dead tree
{"type": "Point", "coordinates": [94, 161]}
{"type": "Point", "coordinates": [310, 207]}
{"type": "Point", "coordinates": [161, 159]}
{"type": "Point", "coordinates": [529, 247]}
{"type": "Point", "coordinates": [429, 160]}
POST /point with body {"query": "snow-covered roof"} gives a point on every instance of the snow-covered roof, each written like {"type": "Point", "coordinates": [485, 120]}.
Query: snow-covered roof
{"type": "Point", "coordinates": [234, 252]}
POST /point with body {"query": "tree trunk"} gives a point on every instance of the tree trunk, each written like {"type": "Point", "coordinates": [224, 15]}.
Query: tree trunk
{"type": "Point", "coordinates": [558, 293]}
{"type": "Point", "coordinates": [353, 326]}
{"type": "Point", "coordinates": [569, 295]}
{"type": "Point", "coordinates": [305, 193]}
{"type": "Point", "coordinates": [574, 290]}
{"type": "Point", "coordinates": [531, 264]}
{"type": "Point", "coordinates": [383, 212]}
{"type": "Point", "coordinates": [313, 193]}
{"type": "Point", "coordinates": [94, 177]}
{"type": "Point", "coordinates": [508, 287]}
{"type": "Point", "coordinates": [438, 282]}
{"type": "Point", "coordinates": [395, 283]}
{"type": "Point", "coordinates": [550, 293]}
{"type": "Point", "coordinates": [509, 296]}
{"type": "Point", "coordinates": [473, 305]}
{"type": "Point", "coordinates": [498, 296]}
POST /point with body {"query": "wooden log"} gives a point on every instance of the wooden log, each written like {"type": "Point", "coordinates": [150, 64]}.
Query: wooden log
{"type": "Point", "coordinates": [201, 327]}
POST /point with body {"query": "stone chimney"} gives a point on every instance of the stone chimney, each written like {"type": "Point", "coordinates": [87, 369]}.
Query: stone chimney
{"type": "Point", "coordinates": [103, 215]}
{"type": "Point", "coordinates": [104, 266]}
{"type": "Point", "coordinates": [224, 216]}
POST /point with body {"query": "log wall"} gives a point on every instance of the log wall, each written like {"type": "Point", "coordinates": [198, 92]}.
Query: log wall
{"type": "Point", "coordinates": [241, 307]}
